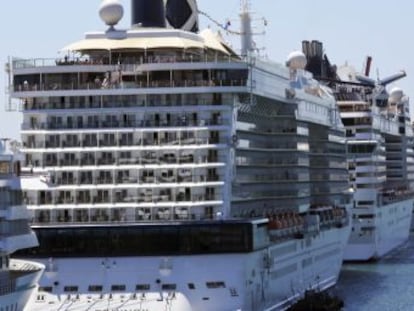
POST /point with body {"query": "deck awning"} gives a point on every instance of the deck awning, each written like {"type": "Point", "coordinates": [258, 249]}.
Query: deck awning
{"type": "Point", "coordinates": [206, 41]}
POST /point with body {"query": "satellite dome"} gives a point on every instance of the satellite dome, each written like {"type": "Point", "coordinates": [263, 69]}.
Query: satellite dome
{"type": "Point", "coordinates": [396, 94]}
{"type": "Point", "coordinates": [347, 73]}
{"type": "Point", "coordinates": [296, 60]}
{"type": "Point", "coordinates": [111, 12]}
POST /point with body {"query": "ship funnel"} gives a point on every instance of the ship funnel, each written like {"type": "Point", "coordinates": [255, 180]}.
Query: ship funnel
{"type": "Point", "coordinates": [182, 14]}
{"type": "Point", "coordinates": [148, 13]}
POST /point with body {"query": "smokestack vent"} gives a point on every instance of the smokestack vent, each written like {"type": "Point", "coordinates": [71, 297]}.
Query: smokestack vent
{"type": "Point", "coordinates": [148, 13]}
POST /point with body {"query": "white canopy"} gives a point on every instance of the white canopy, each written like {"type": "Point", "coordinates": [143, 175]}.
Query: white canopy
{"type": "Point", "coordinates": [160, 40]}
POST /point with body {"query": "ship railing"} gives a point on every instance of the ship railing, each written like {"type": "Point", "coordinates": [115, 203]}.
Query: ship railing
{"type": "Point", "coordinates": [164, 214]}
{"type": "Point", "coordinates": [35, 87]}
{"type": "Point", "coordinates": [135, 160]}
{"type": "Point", "coordinates": [392, 196]}
{"type": "Point", "coordinates": [126, 64]}
{"type": "Point", "coordinates": [138, 198]}
{"type": "Point", "coordinates": [138, 143]}
{"type": "Point", "coordinates": [104, 102]}
{"type": "Point", "coordinates": [269, 162]}
{"type": "Point", "coordinates": [179, 122]}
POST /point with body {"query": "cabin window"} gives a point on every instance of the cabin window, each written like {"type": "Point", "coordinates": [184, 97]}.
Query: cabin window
{"type": "Point", "coordinates": [70, 289]}
{"type": "Point", "coordinates": [169, 286]}
{"type": "Point", "coordinates": [118, 288]}
{"type": "Point", "coordinates": [142, 287]}
{"type": "Point", "coordinates": [46, 289]}
{"type": "Point", "coordinates": [213, 285]}
{"type": "Point", "coordinates": [95, 288]}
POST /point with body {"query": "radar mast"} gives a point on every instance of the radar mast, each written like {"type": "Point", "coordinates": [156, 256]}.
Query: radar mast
{"type": "Point", "coordinates": [247, 45]}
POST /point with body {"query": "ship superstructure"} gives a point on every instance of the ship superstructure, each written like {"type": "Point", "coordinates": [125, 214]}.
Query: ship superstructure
{"type": "Point", "coordinates": [18, 278]}
{"type": "Point", "coordinates": [175, 174]}
{"type": "Point", "coordinates": [381, 157]}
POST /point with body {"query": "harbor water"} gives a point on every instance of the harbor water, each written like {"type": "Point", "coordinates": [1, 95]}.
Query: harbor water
{"type": "Point", "coordinates": [386, 285]}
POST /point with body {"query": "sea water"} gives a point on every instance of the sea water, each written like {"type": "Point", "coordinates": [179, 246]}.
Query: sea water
{"type": "Point", "coordinates": [385, 285]}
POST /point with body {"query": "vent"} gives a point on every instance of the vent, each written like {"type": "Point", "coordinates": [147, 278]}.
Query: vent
{"type": "Point", "coordinates": [148, 13]}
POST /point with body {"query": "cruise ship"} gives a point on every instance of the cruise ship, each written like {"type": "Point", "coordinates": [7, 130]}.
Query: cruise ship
{"type": "Point", "coordinates": [18, 278]}
{"type": "Point", "coordinates": [176, 174]}
{"type": "Point", "coordinates": [381, 156]}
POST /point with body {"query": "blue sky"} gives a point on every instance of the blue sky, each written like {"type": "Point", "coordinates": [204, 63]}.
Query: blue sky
{"type": "Point", "coordinates": [350, 30]}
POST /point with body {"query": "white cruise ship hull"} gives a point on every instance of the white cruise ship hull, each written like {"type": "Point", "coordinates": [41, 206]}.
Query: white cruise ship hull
{"type": "Point", "coordinates": [373, 238]}
{"type": "Point", "coordinates": [25, 276]}
{"type": "Point", "coordinates": [196, 283]}
{"type": "Point", "coordinates": [15, 300]}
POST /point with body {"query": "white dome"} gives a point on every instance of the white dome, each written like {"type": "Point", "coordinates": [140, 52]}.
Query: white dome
{"type": "Point", "coordinates": [111, 12]}
{"type": "Point", "coordinates": [396, 94]}
{"type": "Point", "coordinates": [296, 60]}
{"type": "Point", "coordinates": [347, 73]}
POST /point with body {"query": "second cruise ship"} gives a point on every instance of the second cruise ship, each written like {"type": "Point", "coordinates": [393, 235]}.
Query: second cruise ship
{"type": "Point", "coordinates": [18, 278]}
{"type": "Point", "coordinates": [380, 154]}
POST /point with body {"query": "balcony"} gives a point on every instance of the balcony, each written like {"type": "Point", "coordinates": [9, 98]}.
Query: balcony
{"type": "Point", "coordinates": [71, 162]}
{"type": "Point", "coordinates": [41, 87]}
{"type": "Point", "coordinates": [128, 63]}
{"type": "Point", "coordinates": [87, 162]}
{"type": "Point", "coordinates": [67, 181]}
{"type": "Point", "coordinates": [104, 181]}
{"type": "Point", "coordinates": [51, 144]}
{"type": "Point", "coordinates": [107, 161]}
{"type": "Point", "coordinates": [147, 123]}
{"type": "Point", "coordinates": [71, 144]}
{"type": "Point", "coordinates": [65, 200]}
{"type": "Point", "coordinates": [88, 143]}
{"type": "Point", "coordinates": [107, 143]}
{"type": "Point", "coordinates": [125, 215]}
{"type": "Point", "coordinates": [83, 200]}
{"type": "Point", "coordinates": [86, 181]}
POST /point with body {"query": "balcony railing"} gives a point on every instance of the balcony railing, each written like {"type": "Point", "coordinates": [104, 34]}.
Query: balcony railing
{"type": "Point", "coordinates": [127, 85]}
{"type": "Point", "coordinates": [158, 179]}
{"type": "Point", "coordinates": [136, 143]}
{"type": "Point", "coordinates": [141, 215]}
{"type": "Point", "coordinates": [138, 197]}
{"type": "Point", "coordinates": [179, 122]}
{"type": "Point", "coordinates": [134, 160]}
{"type": "Point", "coordinates": [123, 101]}
{"type": "Point", "coordinates": [128, 64]}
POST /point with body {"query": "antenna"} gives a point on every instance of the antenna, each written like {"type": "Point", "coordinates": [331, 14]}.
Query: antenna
{"type": "Point", "coordinates": [8, 69]}
{"type": "Point", "coordinates": [246, 32]}
{"type": "Point", "coordinates": [245, 5]}
{"type": "Point", "coordinates": [246, 29]}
